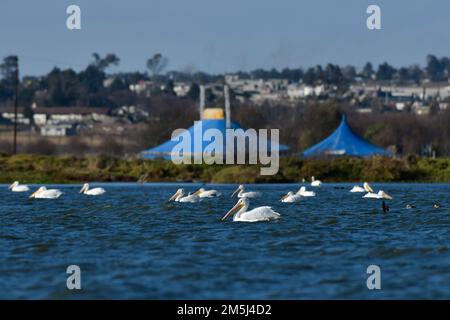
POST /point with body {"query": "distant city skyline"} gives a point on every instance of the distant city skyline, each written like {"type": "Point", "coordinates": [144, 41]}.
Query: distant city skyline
{"type": "Point", "coordinates": [219, 37]}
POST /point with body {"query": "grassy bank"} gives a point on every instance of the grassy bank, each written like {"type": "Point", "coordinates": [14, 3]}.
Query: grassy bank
{"type": "Point", "coordinates": [65, 169]}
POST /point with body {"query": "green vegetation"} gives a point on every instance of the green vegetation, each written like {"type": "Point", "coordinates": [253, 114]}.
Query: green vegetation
{"type": "Point", "coordinates": [69, 169]}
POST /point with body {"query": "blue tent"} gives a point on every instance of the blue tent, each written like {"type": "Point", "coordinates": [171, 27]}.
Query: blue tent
{"type": "Point", "coordinates": [165, 150]}
{"type": "Point", "coordinates": [343, 141]}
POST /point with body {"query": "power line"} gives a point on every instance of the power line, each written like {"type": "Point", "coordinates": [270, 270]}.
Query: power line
{"type": "Point", "coordinates": [16, 101]}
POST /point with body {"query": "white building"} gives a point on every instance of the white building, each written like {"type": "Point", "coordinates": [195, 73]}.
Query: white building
{"type": "Point", "coordinates": [57, 115]}
{"type": "Point", "coordinates": [57, 130]}
{"type": "Point", "coordinates": [8, 113]}
{"type": "Point", "coordinates": [181, 89]}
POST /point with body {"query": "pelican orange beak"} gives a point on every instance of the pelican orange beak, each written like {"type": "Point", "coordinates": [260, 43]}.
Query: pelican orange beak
{"type": "Point", "coordinates": [235, 191]}
{"type": "Point", "coordinates": [174, 196]}
{"type": "Point", "coordinates": [367, 187]}
{"type": "Point", "coordinates": [236, 208]}
{"type": "Point", "coordinates": [83, 188]}
{"type": "Point", "coordinates": [33, 194]}
{"type": "Point", "coordinates": [284, 197]}
{"type": "Point", "coordinates": [197, 192]}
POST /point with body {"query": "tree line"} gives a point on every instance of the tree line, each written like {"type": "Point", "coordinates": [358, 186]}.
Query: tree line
{"type": "Point", "coordinates": [66, 87]}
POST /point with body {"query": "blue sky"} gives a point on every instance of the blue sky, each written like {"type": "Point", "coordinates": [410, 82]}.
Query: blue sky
{"type": "Point", "coordinates": [223, 36]}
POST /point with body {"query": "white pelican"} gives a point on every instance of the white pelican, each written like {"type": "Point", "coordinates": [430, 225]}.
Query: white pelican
{"type": "Point", "coordinates": [315, 183]}
{"type": "Point", "coordinates": [372, 195]}
{"type": "Point", "coordinates": [249, 194]}
{"type": "Point", "coordinates": [16, 187]}
{"type": "Point", "coordinates": [357, 189]}
{"type": "Point", "coordinates": [44, 193]}
{"type": "Point", "coordinates": [291, 197]}
{"type": "Point", "coordinates": [384, 195]}
{"type": "Point", "coordinates": [202, 193]}
{"type": "Point", "coordinates": [254, 215]}
{"type": "Point", "coordinates": [92, 192]}
{"type": "Point", "coordinates": [180, 197]}
{"type": "Point", "coordinates": [304, 193]}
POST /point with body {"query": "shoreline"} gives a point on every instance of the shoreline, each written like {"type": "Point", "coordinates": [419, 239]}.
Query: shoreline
{"type": "Point", "coordinates": [28, 168]}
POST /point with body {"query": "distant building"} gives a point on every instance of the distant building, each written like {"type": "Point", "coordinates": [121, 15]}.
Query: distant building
{"type": "Point", "coordinates": [58, 115]}
{"type": "Point", "coordinates": [181, 89]}
{"type": "Point", "coordinates": [58, 130]}
{"type": "Point", "coordinates": [8, 113]}
{"type": "Point", "coordinates": [143, 86]}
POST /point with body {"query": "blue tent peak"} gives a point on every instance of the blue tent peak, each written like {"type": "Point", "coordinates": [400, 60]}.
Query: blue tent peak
{"type": "Point", "coordinates": [344, 141]}
{"type": "Point", "coordinates": [165, 150]}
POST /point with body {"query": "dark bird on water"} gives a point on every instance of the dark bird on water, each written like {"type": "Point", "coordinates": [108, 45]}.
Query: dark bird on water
{"type": "Point", "coordinates": [410, 206]}
{"type": "Point", "coordinates": [385, 207]}
{"type": "Point", "coordinates": [436, 205]}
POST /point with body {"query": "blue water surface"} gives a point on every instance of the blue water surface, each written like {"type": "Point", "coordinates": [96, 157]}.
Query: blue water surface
{"type": "Point", "coordinates": [131, 243]}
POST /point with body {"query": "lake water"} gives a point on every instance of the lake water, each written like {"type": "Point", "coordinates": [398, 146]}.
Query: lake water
{"type": "Point", "coordinates": [131, 243]}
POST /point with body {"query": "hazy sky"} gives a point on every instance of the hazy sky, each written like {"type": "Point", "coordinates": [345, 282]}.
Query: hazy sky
{"type": "Point", "coordinates": [223, 36]}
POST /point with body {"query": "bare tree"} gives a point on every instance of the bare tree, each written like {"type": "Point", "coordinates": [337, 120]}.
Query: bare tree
{"type": "Point", "coordinates": [157, 63]}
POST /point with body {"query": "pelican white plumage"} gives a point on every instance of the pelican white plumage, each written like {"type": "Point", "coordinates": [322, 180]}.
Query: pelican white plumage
{"type": "Point", "coordinates": [91, 192]}
{"type": "Point", "coordinates": [384, 195]}
{"type": "Point", "coordinates": [315, 183]}
{"type": "Point", "coordinates": [202, 193]}
{"type": "Point", "coordinates": [305, 193]}
{"type": "Point", "coordinates": [180, 196]}
{"type": "Point", "coordinates": [243, 194]}
{"type": "Point", "coordinates": [372, 195]}
{"type": "Point", "coordinates": [44, 193]}
{"type": "Point", "coordinates": [357, 189]}
{"type": "Point", "coordinates": [254, 215]}
{"type": "Point", "coordinates": [291, 197]}
{"type": "Point", "coordinates": [16, 187]}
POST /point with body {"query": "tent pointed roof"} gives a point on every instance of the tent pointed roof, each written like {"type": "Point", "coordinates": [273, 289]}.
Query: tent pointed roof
{"type": "Point", "coordinates": [165, 149]}
{"type": "Point", "coordinates": [344, 141]}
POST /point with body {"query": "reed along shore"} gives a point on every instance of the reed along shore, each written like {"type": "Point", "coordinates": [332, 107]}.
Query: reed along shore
{"type": "Point", "coordinates": [28, 168]}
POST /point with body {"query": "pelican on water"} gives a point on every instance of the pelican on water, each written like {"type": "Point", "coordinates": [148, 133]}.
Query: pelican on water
{"type": "Point", "coordinates": [249, 194]}
{"type": "Point", "coordinates": [44, 193]}
{"type": "Point", "coordinates": [202, 193]}
{"type": "Point", "coordinates": [357, 189]}
{"type": "Point", "coordinates": [315, 183]}
{"type": "Point", "coordinates": [179, 196]}
{"type": "Point", "coordinates": [372, 195]}
{"type": "Point", "coordinates": [91, 192]}
{"type": "Point", "coordinates": [254, 215]}
{"type": "Point", "coordinates": [291, 197]}
{"type": "Point", "coordinates": [16, 187]}
{"type": "Point", "coordinates": [305, 193]}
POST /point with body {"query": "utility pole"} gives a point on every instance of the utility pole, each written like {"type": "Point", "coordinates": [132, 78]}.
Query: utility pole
{"type": "Point", "coordinates": [16, 102]}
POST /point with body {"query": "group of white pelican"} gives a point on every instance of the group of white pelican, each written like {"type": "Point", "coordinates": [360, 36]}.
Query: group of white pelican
{"type": "Point", "coordinates": [44, 193]}
{"type": "Point", "coordinates": [240, 208]}
{"type": "Point", "coordinates": [239, 211]}
{"type": "Point", "coordinates": [370, 193]}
